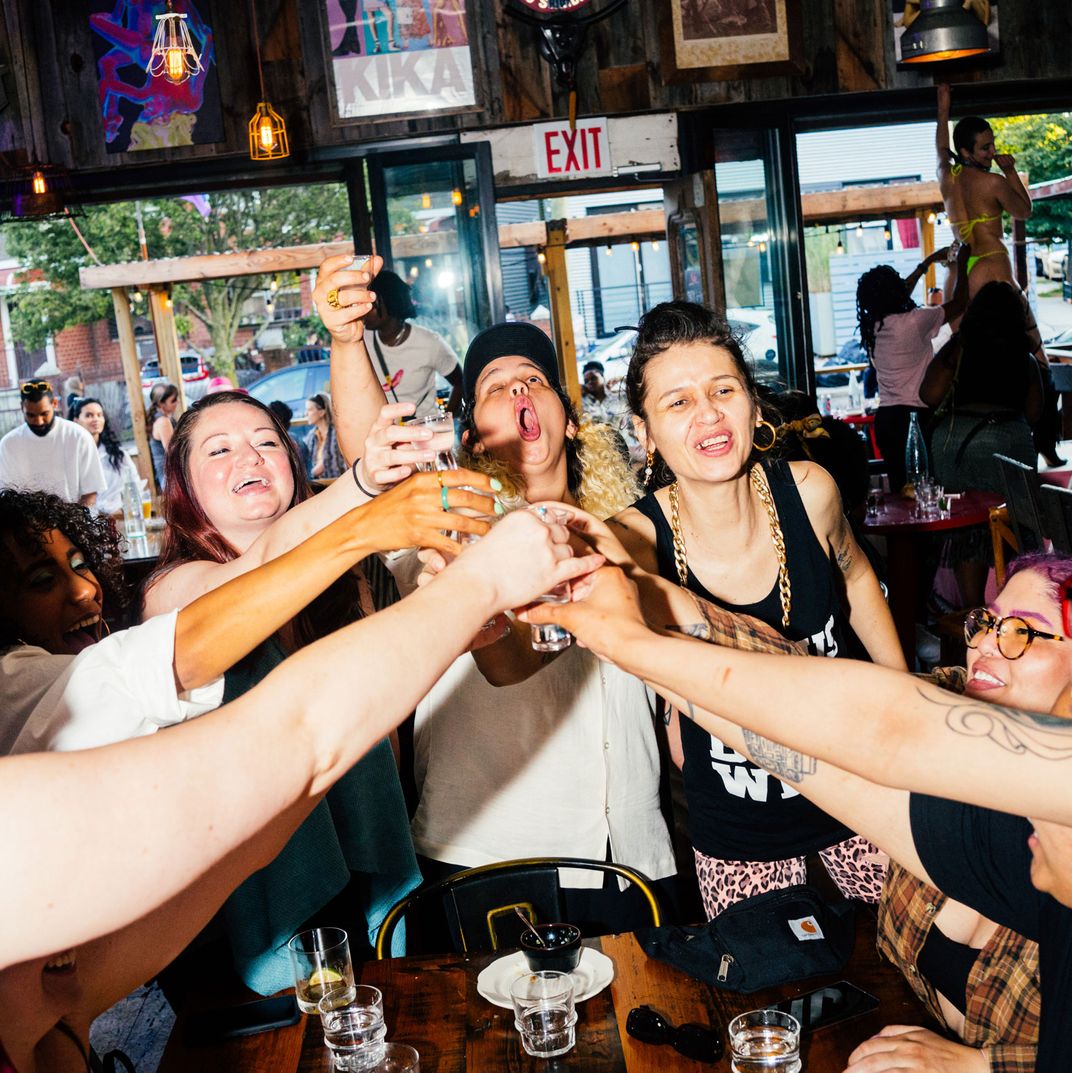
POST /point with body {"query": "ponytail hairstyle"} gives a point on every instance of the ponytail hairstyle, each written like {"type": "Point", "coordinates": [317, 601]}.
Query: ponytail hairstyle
{"type": "Point", "coordinates": [964, 135]}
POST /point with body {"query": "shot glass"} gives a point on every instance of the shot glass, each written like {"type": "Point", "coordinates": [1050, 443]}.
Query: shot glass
{"type": "Point", "coordinates": [551, 638]}
{"type": "Point", "coordinates": [321, 962]}
{"type": "Point", "coordinates": [354, 1031]}
{"type": "Point", "coordinates": [398, 1058]}
{"type": "Point", "coordinates": [441, 426]}
{"type": "Point", "coordinates": [928, 492]}
{"type": "Point", "coordinates": [544, 1013]}
{"type": "Point", "coordinates": [764, 1041]}
{"type": "Point", "coordinates": [874, 503]}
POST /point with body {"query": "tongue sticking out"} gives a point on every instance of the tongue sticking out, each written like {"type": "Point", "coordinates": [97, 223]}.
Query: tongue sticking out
{"type": "Point", "coordinates": [528, 423]}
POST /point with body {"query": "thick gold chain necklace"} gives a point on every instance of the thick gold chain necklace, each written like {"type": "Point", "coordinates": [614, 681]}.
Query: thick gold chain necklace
{"type": "Point", "coordinates": [681, 561]}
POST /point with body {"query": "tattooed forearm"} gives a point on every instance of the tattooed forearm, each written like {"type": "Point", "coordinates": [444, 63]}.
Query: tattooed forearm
{"type": "Point", "coordinates": [788, 764]}
{"type": "Point", "coordinates": [1016, 731]}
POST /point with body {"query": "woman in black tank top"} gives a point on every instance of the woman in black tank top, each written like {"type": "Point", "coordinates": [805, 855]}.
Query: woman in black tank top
{"type": "Point", "coordinates": [760, 538]}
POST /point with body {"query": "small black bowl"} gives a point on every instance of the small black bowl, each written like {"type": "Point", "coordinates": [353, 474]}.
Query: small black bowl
{"type": "Point", "coordinates": [561, 950]}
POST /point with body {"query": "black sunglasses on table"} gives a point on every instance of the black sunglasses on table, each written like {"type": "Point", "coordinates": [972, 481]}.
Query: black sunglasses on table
{"type": "Point", "coordinates": [699, 1042]}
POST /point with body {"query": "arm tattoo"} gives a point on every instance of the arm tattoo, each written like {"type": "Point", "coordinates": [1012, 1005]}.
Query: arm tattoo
{"type": "Point", "coordinates": [1016, 731]}
{"type": "Point", "coordinates": [788, 764]}
{"type": "Point", "coordinates": [844, 542]}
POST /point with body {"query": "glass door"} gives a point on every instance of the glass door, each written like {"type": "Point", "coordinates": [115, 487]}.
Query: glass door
{"type": "Point", "coordinates": [758, 214]}
{"type": "Point", "coordinates": [433, 212]}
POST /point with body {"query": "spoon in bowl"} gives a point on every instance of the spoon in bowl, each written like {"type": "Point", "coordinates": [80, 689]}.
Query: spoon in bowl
{"type": "Point", "coordinates": [528, 925]}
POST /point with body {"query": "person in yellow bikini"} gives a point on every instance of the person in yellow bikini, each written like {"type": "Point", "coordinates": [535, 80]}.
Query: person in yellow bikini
{"type": "Point", "coordinates": [975, 198]}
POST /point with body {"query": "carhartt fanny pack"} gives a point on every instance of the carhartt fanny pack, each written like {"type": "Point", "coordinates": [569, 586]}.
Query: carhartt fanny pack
{"type": "Point", "coordinates": [774, 938]}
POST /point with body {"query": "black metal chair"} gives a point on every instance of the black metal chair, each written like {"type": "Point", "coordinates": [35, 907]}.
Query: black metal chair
{"type": "Point", "coordinates": [1057, 516]}
{"type": "Point", "coordinates": [1025, 507]}
{"type": "Point", "coordinates": [479, 902]}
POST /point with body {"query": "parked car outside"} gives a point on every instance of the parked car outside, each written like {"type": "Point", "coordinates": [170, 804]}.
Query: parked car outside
{"type": "Point", "coordinates": [192, 364]}
{"type": "Point", "coordinates": [1059, 346]}
{"type": "Point", "coordinates": [293, 386]}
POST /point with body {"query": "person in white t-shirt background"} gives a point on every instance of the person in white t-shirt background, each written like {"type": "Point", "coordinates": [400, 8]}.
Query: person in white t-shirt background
{"type": "Point", "coordinates": [405, 355]}
{"type": "Point", "coordinates": [48, 453]}
{"type": "Point", "coordinates": [116, 464]}
{"type": "Point", "coordinates": [897, 334]}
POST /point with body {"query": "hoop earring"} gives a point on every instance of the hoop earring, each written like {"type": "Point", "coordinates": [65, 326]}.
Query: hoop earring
{"type": "Point", "coordinates": [648, 462]}
{"type": "Point", "coordinates": [773, 437]}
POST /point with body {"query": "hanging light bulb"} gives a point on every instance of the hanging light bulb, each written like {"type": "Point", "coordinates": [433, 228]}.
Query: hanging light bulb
{"type": "Point", "coordinates": [840, 248]}
{"type": "Point", "coordinates": [541, 258]}
{"type": "Point", "coordinates": [38, 183]}
{"type": "Point", "coordinates": [610, 251]}
{"type": "Point", "coordinates": [426, 201]}
{"type": "Point", "coordinates": [173, 54]}
{"type": "Point", "coordinates": [455, 197]}
{"type": "Point", "coordinates": [887, 234]}
{"type": "Point", "coordinates": [428, 262]}
{"type": "Point", "coordinates": [274, 285]}
{"type": "Point", "coordinates": [859, 230]}
{"type": "Point", "coordinates": [931, 217]}
{"type": "Point", "coordinates": [655, 246]}
{"type": "Point", "coordinates": [268, 134]}
{"type": "Point", "coordinates": [414, 272]}
{"type": "Point", "coordinates": [762, 247]}
{"type": "Point", "coordinates": [267, 130]}
{"type": "Point", "coordinates": [168, 301]}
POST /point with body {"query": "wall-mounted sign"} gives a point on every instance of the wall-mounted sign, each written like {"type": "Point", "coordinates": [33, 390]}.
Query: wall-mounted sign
{"type": "Point", "coordinates": [141, 112]}
{"type": "Point", "coordinates": [561, 153]}
{"type": "Point", "coordinates": [393, 57]}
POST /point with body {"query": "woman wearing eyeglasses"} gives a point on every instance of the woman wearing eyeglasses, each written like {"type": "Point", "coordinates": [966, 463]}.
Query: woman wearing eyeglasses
{"type": "Point", "coordinates": [982, 980]}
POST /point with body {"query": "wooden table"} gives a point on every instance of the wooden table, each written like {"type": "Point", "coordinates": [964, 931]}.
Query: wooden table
{"type": "Point", "coordinates": [897, 522]}
{"type": "Point", "coordinates": [432, 1004]}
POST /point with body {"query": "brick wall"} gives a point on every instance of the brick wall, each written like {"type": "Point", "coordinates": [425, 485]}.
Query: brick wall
{"type": "Point", "coordinates": [89, 351]}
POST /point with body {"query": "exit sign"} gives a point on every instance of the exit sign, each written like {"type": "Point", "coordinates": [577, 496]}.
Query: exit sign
{"type": "Point", "coordinates": [562, 153]}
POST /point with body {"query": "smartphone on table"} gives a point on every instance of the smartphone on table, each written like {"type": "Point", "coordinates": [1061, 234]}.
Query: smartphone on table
{"type": "Point", "coordinates": [244, 1019]}
{"type": "Point", "coordinates": [828, 1005]}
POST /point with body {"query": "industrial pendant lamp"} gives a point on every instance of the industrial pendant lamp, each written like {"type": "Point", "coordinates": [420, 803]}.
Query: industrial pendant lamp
{"type": "Point", "coordinates": [173, 54]}
{"type": "Point", "coordinates": [943, 30]}
{"type": "Point", "coordinates": [267, 129]}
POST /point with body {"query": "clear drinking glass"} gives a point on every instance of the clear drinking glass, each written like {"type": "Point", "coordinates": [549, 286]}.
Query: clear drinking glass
{"type": "Point", "coordinates": [552, 638]}
{"type": "Point", "coordinates": [355, 1038]}
{"type": "Point", "coordinates": [544, 1013]}
{"type": "Point", "coordinates": [441, 425]}
{"type": "Point", "coordinates": [321, 962]}
{"type": "Point", "coordinates": [928, 492]}
{"type": "Point", "coordinates": [764, 1041]}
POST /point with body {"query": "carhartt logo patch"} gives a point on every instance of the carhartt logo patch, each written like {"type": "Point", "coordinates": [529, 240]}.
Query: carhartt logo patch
{"type": "Point", "coordinates": [806, 928]}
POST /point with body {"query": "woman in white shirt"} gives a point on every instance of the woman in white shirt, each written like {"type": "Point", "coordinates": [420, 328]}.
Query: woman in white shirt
{"type": "Point", "coordinates": [115, 462]}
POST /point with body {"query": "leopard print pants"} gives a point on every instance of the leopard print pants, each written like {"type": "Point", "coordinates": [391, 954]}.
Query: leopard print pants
{"type": "Point", "coordinates": [855, 865]}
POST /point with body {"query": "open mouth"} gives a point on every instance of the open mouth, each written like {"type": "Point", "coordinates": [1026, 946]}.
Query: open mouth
{"type": "Point", "coordinates": [528, 421]}
{"type": "Point", "coordinates": [62, 964]}
{"type": "Point", "coordinates": [82, 634]}
{"type": "Point", "coordinates": [250, 486]}
{"type": "Point", "coordinates": [716, 444]}
{"type": "Point", "coordinates": [982, 680]}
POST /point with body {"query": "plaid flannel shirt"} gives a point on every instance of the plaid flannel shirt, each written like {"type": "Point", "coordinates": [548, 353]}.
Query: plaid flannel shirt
{"type": "Point", "coordinates": [1002, 995]}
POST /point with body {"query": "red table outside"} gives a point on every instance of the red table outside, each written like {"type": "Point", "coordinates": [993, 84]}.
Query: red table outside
{"type": "Point", "coordinates": [897, 522]}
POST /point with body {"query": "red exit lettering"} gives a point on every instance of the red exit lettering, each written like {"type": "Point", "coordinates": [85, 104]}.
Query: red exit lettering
{"type": "Point", "coordinates": [573, 151]}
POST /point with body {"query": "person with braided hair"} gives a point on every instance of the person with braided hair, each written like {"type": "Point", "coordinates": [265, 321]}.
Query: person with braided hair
{"type": "Point", "coordinates": [897, 334]}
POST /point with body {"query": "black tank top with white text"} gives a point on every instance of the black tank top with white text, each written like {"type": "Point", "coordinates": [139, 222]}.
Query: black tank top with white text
{"type": "Point", "coordinates": [738, 811]}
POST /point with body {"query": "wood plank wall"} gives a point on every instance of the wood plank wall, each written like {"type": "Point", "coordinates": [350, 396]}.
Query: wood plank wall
{"type": "Point", "coordinates": [848, 47]}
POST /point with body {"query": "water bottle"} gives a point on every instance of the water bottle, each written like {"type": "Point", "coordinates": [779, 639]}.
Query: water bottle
{"type": "Point", "coordinates": [133, 518]}
{"type": "Point", "coordinates": [915, 453]}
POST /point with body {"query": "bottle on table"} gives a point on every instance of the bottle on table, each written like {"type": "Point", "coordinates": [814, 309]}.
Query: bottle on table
{"type": "Point", "coordinates": [915, 454]}
{"type": "Point", "coordinates": [133, 518]}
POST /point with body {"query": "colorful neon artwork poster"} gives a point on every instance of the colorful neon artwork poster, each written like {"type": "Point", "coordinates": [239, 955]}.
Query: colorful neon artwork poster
{"type": "Point", "coordinates": [140, 112]}
{"type": "Point", "coordinates": [393, 57]}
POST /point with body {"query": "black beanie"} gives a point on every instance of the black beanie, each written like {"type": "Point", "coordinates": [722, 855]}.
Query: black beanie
{"type": "Point", "coordinates": [512, 339]}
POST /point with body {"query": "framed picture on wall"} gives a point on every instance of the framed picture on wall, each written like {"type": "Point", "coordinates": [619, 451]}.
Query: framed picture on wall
{"type": "Point", "coordinates": [716, 40]}
{"type": "Point", "coordinates": [392, 58]}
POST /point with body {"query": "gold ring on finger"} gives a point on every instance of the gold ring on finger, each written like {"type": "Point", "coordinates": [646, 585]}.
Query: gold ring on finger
{"type": "Point", "coordinates": [439, 477]}
{"type": "Point", "coordinates": [333, 298]}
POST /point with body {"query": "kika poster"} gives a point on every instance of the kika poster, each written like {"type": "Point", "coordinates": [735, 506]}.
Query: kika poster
{"type": "Point", "coordinates": [392, 57]}
{"type": "Point", "coordinates": [140, 112]}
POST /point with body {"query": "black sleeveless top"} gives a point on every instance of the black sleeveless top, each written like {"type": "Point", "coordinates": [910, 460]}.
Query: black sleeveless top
{"type": "Point", "coordinates": [737, 811]}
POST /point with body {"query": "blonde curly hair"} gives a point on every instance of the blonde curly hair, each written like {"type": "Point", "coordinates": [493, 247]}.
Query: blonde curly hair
{"type": "Point", "coordinates": [608, 484]}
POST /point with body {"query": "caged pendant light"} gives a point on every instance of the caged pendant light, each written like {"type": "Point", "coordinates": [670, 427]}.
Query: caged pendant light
{"type": "Point", "coordinates": [267, 129]}
{"type": "Point", "coordinates": [173, 55]}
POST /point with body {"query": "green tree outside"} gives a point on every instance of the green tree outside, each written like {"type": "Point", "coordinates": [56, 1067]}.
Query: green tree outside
{"type": "Point", "coordinates": [1042, 145]}
{"type": "Point", "coordinates": [230, 221]}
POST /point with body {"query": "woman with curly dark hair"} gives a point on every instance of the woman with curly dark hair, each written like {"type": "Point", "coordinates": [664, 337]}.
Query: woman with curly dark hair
{"type": "Point", "coordinates": [115, 462]}
{"type": "Point", "coordinates": [897, 334]}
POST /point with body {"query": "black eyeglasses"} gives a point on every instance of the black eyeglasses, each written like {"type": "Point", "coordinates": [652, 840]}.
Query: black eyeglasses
{"type": "Point", "coordinates": [34, 387]}
{"type": "Point", "coordinates": [699, 1042]}
{"type": "Point", "coordinates": [1014, 635]}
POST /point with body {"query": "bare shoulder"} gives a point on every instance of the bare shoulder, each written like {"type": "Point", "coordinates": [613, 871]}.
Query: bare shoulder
{"type": "Point", "coordinates": [180, 586]}
{"type": "Point", "coordinates": [636, 531]}
{"type": "Point", "coordinates": [816, 486]}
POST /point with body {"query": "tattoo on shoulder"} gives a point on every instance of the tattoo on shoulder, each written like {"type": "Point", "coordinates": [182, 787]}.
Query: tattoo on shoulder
{"type": "Point", "coordinates": [844, 542]}
{"type": "Point", "coordinates": [788, 764]}
{"type": "Point", "coordinates": [1014, 730]}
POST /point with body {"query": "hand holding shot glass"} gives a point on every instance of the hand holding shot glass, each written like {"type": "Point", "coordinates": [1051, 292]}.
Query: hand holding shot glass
{"type": "Point", "coordinates": [552, 638]}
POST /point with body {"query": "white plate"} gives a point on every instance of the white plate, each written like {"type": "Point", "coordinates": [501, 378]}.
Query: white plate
{"type": "Point", "coordinates": [594, 971]}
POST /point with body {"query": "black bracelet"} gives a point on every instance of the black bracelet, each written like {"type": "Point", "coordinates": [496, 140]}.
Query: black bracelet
{"type": "Point", "coordinates": [361, 487]}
